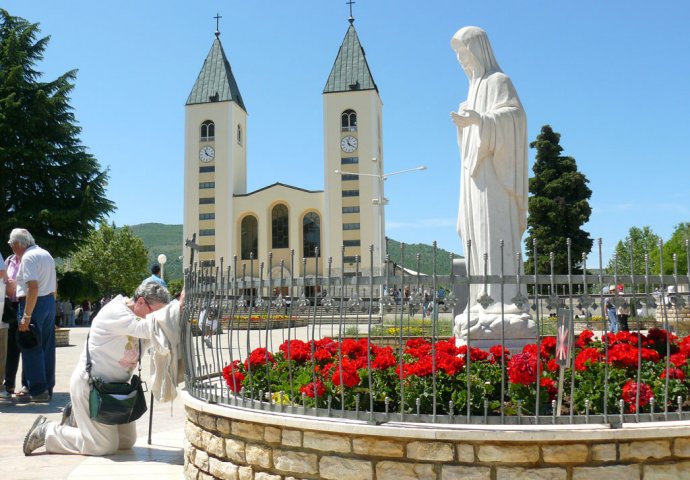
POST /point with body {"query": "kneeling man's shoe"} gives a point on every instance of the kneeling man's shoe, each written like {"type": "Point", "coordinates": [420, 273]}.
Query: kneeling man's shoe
{"type": "Point", "coordinates": [36, 436]}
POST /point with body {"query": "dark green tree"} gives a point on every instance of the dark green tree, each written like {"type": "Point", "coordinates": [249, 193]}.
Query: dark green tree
{"type": "Point", "coordinates": [676, 245]}
{"type": "Point", "coordinates": [50, 184]}
{"type": "Point", "coordinates": [644, 242]}
{"type": "Point", "coordinates": [558, 207]}
{"type": "Point", "coordinates": [114, 258]}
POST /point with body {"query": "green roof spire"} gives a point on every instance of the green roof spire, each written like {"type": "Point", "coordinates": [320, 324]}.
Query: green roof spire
{"type": "Point", "coordinates": [350, 70]}
{"type": "Point", "coordinates": [215, 82]}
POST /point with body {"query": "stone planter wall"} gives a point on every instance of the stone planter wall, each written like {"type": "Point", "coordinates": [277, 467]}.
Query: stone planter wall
{"type": "Point", "coordinates": [62, 337]}
{"type": "Point", "coordinates": [240, 444]}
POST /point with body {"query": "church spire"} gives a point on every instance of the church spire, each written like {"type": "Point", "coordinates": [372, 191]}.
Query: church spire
{"type": "Point", "coordinates": [215, 82]}
{"type": "Point", "coordinates": [350, 70]}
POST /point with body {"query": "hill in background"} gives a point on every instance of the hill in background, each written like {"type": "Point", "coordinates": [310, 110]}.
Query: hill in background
{"type": "Point", "coordinates": [167, 239]}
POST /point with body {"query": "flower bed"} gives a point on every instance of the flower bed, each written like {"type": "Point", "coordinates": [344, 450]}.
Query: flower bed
{"type": "Point", "coordinates": [313, 372]}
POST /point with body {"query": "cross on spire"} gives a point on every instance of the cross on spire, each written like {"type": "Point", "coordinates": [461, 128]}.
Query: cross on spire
{"type": "Point", "coordinates": [217, 17]}
{"type": "Point", "coordinates": [351, 19]}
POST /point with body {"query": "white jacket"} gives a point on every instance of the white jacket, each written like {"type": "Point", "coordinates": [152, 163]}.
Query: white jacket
{"type": "Point", "coordinates": [167, 368]}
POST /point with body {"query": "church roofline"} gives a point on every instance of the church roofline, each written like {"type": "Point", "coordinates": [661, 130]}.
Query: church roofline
{"type": "Point", "coordinates": [350, 71]}
{"type": "Point", "coordinates": [277, 184]}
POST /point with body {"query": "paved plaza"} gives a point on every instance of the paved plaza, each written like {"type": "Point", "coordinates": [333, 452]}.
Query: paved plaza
{"type": "Point", "coordinates": [161, 460]}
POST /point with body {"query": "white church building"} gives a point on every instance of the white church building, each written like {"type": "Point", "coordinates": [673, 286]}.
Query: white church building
{"type": "Point", "coordinates": [342, 220]}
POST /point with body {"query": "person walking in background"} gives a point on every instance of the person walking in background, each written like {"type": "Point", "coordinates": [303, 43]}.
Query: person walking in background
{"type": "Point", "coordinates": [156, 276]}
{"type": "Point", "coordinates": [611, 310]}
{"type": "Point", "coordinates": [67, 312]}
{"type": "Point", "coordinates": [85, 312]}
{"type": "Point", "coordinates": [36, 289]}
{"type": "Point", "coordinates": [9, 317]}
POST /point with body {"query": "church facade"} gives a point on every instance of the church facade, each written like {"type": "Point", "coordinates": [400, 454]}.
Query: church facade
{"type": "Point", "coordinates": [343, 221]}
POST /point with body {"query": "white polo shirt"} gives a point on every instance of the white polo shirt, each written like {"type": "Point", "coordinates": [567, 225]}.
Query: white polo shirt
{"type": "Point", "coordinates": [37, 264]}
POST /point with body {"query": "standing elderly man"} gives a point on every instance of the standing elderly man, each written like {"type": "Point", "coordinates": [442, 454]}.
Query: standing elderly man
{"type": "Point", "coordinates": [36, 289]}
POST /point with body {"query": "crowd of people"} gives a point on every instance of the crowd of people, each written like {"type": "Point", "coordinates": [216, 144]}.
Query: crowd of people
{"type": "Point", "coordinates": [121, 328]}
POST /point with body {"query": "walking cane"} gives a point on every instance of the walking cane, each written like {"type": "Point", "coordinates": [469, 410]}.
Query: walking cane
{"type": "Point", "coordinates": [150, 417]}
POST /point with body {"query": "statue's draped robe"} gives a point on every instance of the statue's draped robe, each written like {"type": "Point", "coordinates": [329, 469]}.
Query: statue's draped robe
{"type": "Point", "coordinates": [493, 179]}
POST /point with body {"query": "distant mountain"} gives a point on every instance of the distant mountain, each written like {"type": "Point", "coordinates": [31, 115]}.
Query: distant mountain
{"type": "Point", "coordinates": [167, 239]}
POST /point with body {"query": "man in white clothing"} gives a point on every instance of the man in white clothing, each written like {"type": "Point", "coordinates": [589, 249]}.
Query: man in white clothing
{"type": "Point", "coordinates": [114, 348]}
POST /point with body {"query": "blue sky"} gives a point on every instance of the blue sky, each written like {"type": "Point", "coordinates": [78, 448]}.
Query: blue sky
{"type": "Point", "coordinates": [611, 77]}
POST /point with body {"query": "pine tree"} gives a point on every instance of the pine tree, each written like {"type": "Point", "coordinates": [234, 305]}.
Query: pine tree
{"type": "Point", "coordinates": [644, 242]}
{"type": "Point", "coordinates": [50, 184]}
{"type": "Point", "coordinates": [557, 209]}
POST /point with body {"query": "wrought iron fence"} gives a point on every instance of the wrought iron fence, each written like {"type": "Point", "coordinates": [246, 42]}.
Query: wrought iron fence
{"type": "Point", "coordinates": [383, 348]}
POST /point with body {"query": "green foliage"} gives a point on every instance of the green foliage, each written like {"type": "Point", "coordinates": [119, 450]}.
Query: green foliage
{"type": "Point", "coordinates": [426, 257]}
{"type": "Point", "coordinates": [50, 184]}
{"type": "Point", "coordinates": [77, 286]}
{"type": "Point", "coordinates": [114, 258]}
{"type": "Point", "coordinates": [644, 241]}
{"type": "Point", "coordinates": [165, 239]}
{"type": "Point", "coordinates": [675, 245]}
{"type": "Point", "coordinates": [558, 207]}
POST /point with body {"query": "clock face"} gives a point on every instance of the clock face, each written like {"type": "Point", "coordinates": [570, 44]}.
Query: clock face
{"type": "Point", "coordinates": [348, 144]}
{"type": "Point", "coordinates": [206, 154]}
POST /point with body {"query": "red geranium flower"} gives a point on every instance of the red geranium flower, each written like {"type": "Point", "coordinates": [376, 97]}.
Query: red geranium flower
{"type": "Point", "coordinates": [678, 359]}
{"type": "Point", "coordinates": [308, 389]}
{"type": "Point", "coordinates": [296, 350]}
{"type": "Point", "coordinates": [522, 369]}
{"type": "Point", "coordinates": [417, 347]}
{"type": "Point", "coordinates": [584, 339]}
{"type": "Point", "coordinates": [259, 356]}
{"type": "Point", "coordinates": [497, 352]}
{"type": "Point", "coordinates": [233, 376]}
{"type": "Point", "coordinates": [476, 354]}
{"type": "Point", "coordinates": [350, 374]}
{"type": "Point", "coordinates": [384, 359]}
{"type": "Point", "coordinates": [674, 373]}
{"type": "Point", "coordinates": [586, 357]}
{"type": "Point", "coordinates": [629, 394]}
{"type": "Point", "coordinates": [550, 386]}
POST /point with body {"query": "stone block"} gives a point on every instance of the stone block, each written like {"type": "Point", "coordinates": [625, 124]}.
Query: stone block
{"type": "Point", "coordinates": [519, 473]}
{"type": "Point", "coordinates": [295, 462]}
{"type": "Point", "coordinates": [223, 425]}
{"type": "Point", "coordinates": [508, 454]}
{"type": "Point", "coordinates": [224, 470]}
{"type": "Point", "coordinates": [205, 476]}
{"type": "Point", "coordinates": [258, 455]}
{"type": "Point", "coordinates": [234, 450]}
{"type": "Point", "coordinates": [192, 415]}
{"type": "Point", "coordinates": [201, 460]}
{"type": "Point", "coordinates": [338, 468]}
{"type": "Point", "coordinates": [450, 472]}
{"type": "Point", "coordinates": [245, 473]}
{"type": "Point", "coordinates": [604, 452]}
{"type": "Point", "coordinates": [266, 476]}
{"type": "Point", "coordinates": [326, 442]}
{"type": "Point", "coordinates": [559, 454]}
{"type": "Point", "coordinates": [465, 452]}
{"type": "Point", "coordinates": [212, 444]}
{"type": "Point", "coordinates": [189, 454]}
{"type": "Point", "coordinates": [191, 472]}
{"type": "Point", "coordinates": [249, 431]}
{"type": "Point", "coordinates": [430, 451]}
{"type": "Point", "coordinates": [377, 447]}
{"type": "Point", "coordinates": [193, 434]}
{"type": "Point", "coordinates": [676, 471]}
{"type": "Point", "coordinates": [643, 450]}
{"type": "Point", "coordinates": [627, 472]}
{"type": "Point", "coordinates": [404, 471]}
{"type": "Point", "coordinates": [681, 447]}
{"type": "Point", "coordinates": [292, 438]}
{"type": "Point", "coordinates": [207, 422]}
{"type": "Point", "coordinates": [272, 434]}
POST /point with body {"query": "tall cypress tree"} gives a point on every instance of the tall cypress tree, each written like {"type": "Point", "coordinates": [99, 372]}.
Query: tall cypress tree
{"type": "Point", "coordinates": [558, 207]}
{"type": "Point", "coordinates": [50, 184]}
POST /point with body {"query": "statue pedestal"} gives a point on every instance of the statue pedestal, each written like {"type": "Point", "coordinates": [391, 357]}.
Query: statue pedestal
{"type": "Point", "coordinates": [486, 327]}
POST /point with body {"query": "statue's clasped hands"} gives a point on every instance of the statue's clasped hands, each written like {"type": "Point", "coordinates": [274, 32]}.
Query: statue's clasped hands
{"type": "Point", "coordinates": [465, 117]}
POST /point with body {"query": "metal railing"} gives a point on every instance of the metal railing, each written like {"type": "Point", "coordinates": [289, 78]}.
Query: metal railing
{"type": "Point", "coordinates": [334, 346]}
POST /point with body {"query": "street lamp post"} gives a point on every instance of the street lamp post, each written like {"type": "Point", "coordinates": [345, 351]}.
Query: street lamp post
{"type": "Point", "coordinates": [381, 201]}
{"type": "Point", "coordinates": [161, 260]}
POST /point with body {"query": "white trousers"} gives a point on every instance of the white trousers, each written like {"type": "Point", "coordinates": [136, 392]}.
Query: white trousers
{"type": "Point", "coordinates": [89, 438]}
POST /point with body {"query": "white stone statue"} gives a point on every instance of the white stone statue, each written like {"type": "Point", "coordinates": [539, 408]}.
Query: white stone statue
{"type": "Point", "coordinates": [492, 138]}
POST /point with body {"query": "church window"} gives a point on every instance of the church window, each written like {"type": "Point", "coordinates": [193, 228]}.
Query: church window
{"type": "Point", "coordinates": [207, 169]}
{"type": "Point", "coordinates": [239, 134]}
{"type": "Point", "coordinates": [350, 193]}
{"type": "Point", "coordinates": [350, 259]}
{"type": "Point", "coordinates": [207, 248]}
{"type": "Point", "coordinates": [351, 209]}
{"type": "Point", "coordinates": [208, 263]}
{"type": "Point", "coordinates": [207, 200]}
{"type": "Point", "coordinates": [249, 237]}
{"type": "Point", "coordinates": [348, 121]}
{"type": "Point", "coordinates": [208, 232]}
{"type": "Point", "coordinates": [279, 227]}
{"type": "Point", "coordinates": [207, 184]}
{"type": "Point", "coordinates": [351, 243]}
{"type": "Point", "coordinates": [207, 216]}
{"type": "Point", "coordinates": [208, 130]}
{"type": "Point", "coordinates": [349, 160]}
{"type": "Point", "coordinates": [350, 226]}
{"type": "Point", "coordinates": [349, 176]}
{"type": "Point", "coordinates": [311, 232]}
